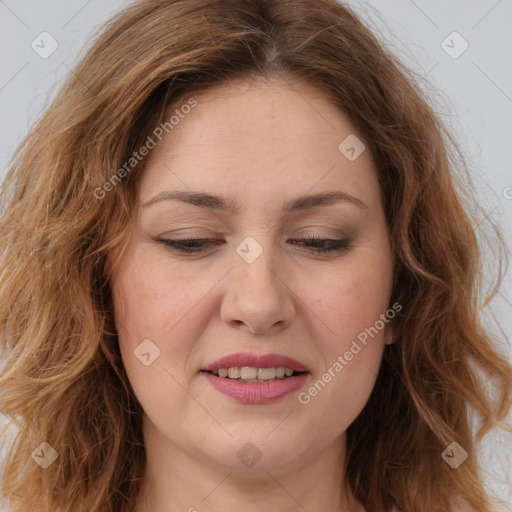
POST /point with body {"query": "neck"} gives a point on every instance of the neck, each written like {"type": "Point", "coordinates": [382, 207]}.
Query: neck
{"type": "Point", "coordinates": [180, 481]}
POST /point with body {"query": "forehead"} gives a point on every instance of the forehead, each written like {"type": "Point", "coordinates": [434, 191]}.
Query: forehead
{"type": "Point", "coordinates": [259, 141]}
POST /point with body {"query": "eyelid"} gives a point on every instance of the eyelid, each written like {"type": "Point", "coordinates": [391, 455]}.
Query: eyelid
{"type": "Point", "coordinates": [318, 232]}
{"type": "Point", "coordinates": [313, 230]}
{"type": "Point", "coordinates": [341, 245]}
{"type": "Point", "coordinates": [305, 232]}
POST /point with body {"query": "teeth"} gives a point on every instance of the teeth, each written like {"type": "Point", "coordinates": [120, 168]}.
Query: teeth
{"type": "Point", "coordinates": [247, 372]}
{"type": "Point", "coordinates": [234, 372]}
{"type": "Point", "coordinates": [280, 372]}
{"type": "Point", "coordinates": [266, 373]}
{"type": "Point", "coordinates": [252, 374]}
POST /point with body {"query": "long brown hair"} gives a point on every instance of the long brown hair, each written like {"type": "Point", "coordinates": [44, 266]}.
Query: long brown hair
{"type": "Point", "coordinates": [62, 380]}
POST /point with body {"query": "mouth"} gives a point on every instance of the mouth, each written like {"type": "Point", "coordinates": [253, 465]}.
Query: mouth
{"type": "Point", "coordinates": [255, 378]}
{"type": "Point", "coordinates": [253, 374]}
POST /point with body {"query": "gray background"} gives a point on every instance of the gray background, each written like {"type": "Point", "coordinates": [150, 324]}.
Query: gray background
{"type": "Point", "coordinates": [472, 94]}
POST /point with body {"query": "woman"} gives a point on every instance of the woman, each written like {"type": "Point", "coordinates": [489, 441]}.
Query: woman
{"type": "Point", "coordinates": [238, 272]}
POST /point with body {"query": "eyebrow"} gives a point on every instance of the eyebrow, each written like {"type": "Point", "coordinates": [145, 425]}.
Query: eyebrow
{"type": "Point", "coordinates": [222, 204]}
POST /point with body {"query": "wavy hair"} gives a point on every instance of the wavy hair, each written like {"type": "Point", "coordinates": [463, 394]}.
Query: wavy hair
{"type": "Point", "coordinates": [62, 380]}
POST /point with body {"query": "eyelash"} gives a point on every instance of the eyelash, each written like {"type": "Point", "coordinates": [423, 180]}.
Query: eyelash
{"type": "Point", "coordinates": [341, 245]}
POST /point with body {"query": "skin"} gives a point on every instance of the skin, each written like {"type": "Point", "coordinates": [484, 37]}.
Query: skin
{"type": "Point", "coordinates": [260, 144]}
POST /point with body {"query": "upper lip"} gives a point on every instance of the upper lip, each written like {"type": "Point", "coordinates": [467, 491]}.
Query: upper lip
{"type": "Point", "coordinates": [256, 361]}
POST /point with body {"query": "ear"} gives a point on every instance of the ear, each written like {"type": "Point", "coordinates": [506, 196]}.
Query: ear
{"type": "Point", "coordinates": [389, 334]}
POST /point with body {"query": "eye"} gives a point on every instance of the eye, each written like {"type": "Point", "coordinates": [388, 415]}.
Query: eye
{"type": "Point", "coordinates": [324, 245]}
{"type": "Point", "coordinates": [188, 245]}
{"type": "Point", "coordinates": [198, 245]}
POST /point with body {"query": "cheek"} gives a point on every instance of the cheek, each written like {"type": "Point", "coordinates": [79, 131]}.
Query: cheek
{"type": "Point", "coordinates": [350, 305]}
{"type": "Point", "coordinates": [151, 298]}
{"type": "Point", "coordinates": [148, 303]}
{"type": "Point", "coordinates": [352, 299]}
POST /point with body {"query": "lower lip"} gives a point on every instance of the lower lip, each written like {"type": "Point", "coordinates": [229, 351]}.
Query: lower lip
{"type": "Point", "coordinates": [256, 392]}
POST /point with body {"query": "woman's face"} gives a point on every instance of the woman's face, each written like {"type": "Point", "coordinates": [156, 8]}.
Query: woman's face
{"type": "Point", "coordinates": [274, 168]}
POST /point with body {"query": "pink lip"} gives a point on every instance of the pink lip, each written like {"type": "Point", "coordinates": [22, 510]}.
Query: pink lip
{"type": "Point", "coordinates": [257, 361]}
{"type": "Point", "coordinates": [256, 392]}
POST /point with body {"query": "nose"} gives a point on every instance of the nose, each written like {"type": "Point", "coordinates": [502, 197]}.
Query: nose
{"type": "Point", "coordinates": [258, 296]}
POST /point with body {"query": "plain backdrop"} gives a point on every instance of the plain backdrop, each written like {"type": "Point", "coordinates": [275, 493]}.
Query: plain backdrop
{"type": "Point", "coordinates": [460, 50]}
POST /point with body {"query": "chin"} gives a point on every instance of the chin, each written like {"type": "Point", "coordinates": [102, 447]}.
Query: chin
{"type": "Point", "coordinates": [258, 451]}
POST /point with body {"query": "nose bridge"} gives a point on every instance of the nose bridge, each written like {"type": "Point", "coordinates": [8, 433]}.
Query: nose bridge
{"type": "Point", "coordinates": [256, 265]}
{"type": "Point", "coordinates": [257, 295]}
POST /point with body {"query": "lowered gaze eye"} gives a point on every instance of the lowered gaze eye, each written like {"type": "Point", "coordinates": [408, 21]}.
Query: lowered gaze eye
{"type": "Point", "coordinates": [198, 245]}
